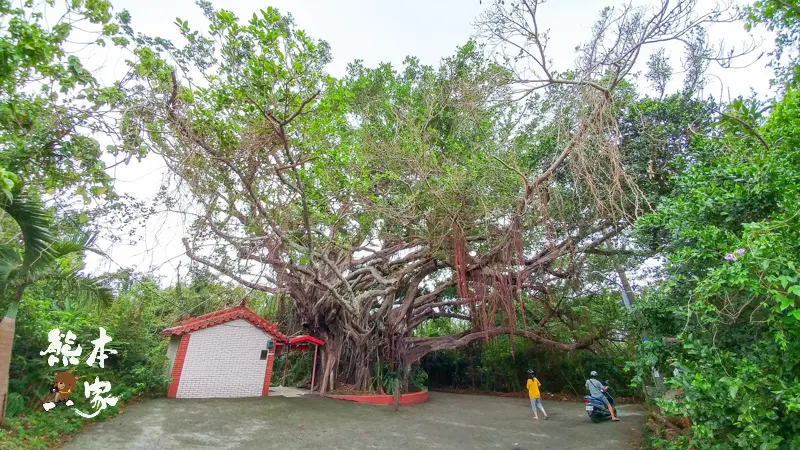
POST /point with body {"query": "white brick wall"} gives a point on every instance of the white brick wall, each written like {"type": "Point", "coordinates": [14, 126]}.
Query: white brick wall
{"type": "Point", "coordinates": [224, 361]}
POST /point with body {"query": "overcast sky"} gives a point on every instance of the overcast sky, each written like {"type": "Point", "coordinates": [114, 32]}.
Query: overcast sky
{"type": "Point", "coordinates": [374, 31]}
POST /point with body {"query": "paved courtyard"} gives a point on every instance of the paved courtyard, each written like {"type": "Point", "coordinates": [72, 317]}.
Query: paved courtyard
{"type": "Point", "coordinates": [447, 421]}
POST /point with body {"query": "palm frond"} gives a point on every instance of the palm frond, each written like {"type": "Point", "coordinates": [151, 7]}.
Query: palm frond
{"type": "Point", "coordinates": [87, 292]}
{"type": "Point", "coordinates": [64, 247]}
{"type": "Point", "coordinates": [10, 263]}
{"type": "Point", "coordinates": [31, 217]}
{"type": "Point", "coordinates": [42, 250]}
{"type": "Point", "coordinates": [73, 244]}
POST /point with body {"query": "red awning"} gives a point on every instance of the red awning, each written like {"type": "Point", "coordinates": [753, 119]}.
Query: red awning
{"type": "Point", "coordinates": [305, 339]}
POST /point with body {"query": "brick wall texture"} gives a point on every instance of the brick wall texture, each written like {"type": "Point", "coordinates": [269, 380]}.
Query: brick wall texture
{"type": "Point", "coordinates": [224, 361]}
{"type": "Point", "coordinates": [268, 374]}
{"type": "Point", "coordinates": [177, 365]}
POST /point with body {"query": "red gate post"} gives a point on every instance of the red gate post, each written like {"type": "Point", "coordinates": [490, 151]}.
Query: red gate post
{"type": "Point", "coordinates": [314, 368]}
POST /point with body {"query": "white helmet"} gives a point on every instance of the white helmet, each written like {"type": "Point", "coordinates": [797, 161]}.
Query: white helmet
{"type": "Point", "coordinates": [594, 373]}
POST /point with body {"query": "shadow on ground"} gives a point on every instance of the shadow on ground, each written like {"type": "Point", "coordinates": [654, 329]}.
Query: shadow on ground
{"type": "Point", "coordinates": [447, 421]}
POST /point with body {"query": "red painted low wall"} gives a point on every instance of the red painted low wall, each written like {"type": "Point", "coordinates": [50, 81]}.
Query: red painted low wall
{"type": "Point", "coordinates": [413, 398]}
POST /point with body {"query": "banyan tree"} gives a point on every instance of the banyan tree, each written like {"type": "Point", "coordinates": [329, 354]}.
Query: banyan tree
{"type": "Point", "coordinates": [475, 191]}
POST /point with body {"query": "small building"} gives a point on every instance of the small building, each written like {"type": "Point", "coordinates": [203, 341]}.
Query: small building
{"type": "Point", "coordinates": [223, 354]}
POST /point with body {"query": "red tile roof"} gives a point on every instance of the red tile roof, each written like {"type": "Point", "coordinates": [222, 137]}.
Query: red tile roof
{"type": "Point", "coordinates": [226, 315]}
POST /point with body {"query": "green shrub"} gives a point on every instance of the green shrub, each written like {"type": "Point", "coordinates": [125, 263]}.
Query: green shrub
{"type": "Point", "coordinates": [731, 295]}
{"type": "Point", "coordinates": [418, 379]}
{"type": "Point", "coordinates": [133, 322]}
{"type": "Point", "coordinates": [298, 373]}
{"type": "Point", "coordinates": [491, 366]}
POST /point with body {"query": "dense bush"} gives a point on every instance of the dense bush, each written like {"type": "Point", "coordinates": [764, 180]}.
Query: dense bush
{"type": "Point", "coordinates": [491, 366]}
{"type": "Point", "coordinates": [137, 368]}
{"type": "Point", "coordinates": [731, 294]}
{"type": "Point", "coordinates": [298, 370]}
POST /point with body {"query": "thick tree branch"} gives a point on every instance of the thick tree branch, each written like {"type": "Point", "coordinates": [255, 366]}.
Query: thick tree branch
{"type": "Point", "coordinates": [419, 347]}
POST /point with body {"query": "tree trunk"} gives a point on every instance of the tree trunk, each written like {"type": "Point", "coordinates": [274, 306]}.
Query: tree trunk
{"type": "Point", "coordinates": [281, 310]}
{"type": "Point", "coordinates": [7, 326]}
{"type": "Point", "coordinates": [627, 291]}
{"type": "Point", "coordinates": [330, 359]}
{"type": "Point", "coordinates": [363, 374]}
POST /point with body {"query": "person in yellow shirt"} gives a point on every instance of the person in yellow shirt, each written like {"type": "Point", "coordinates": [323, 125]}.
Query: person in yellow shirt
{"type": "Point", "coordinates": [534, 394]}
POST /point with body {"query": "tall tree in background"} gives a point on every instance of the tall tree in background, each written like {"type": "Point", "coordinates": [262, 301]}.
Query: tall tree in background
{"type": "Point", "coordinates": [783, 18]}
{"type": "Point", "coordinates": [49, 102]}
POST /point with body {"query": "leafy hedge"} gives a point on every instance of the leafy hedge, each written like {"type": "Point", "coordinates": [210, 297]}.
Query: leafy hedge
{"type": "Point", "coordinates": [731, 294]}
{"type": "Point", "coordinates": [490, 366]}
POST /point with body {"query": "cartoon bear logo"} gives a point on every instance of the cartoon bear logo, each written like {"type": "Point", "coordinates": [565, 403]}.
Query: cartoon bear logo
{"type": "Point", "coordinates": [63, 385]}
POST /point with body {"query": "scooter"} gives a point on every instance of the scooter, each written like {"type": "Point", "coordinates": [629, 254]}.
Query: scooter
{"type": "Point", "coordinates": [596, 409]}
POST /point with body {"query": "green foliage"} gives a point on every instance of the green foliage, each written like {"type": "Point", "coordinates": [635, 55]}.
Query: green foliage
{"type": "Point", "coordinates": [491, 367]}
{"type": "Point", "coordinates": [783, 18]}
{"type": "Point", "coordinates": [659, 72]}
{"type": "Point", "coordinates": [7, 182]}
{"type": "Point", "coordinates": [660, 139]}
{"type": "Point", "coordinates": [15, 404]}
{"type": "Point", "coordinates": [736, 314]}
{"type": "Point", "coordinates": [40, 430]}
{"type": "Point", "coordinates": [49, 105]}
{"type": "Point", "coordinates": [43, 257]}
{"type": "Point", "coordinates": [417, 379]}
{"type": "Point", "coordinates": [43, 130]}
{"type": "Point", "coordinates": [265, 93]}
{"type": "Point", "coordinates": [133, 321]}
{"type": "Point", "coordinates": [385, 379]}
{"type": "Point", "coordinates": [500, 364]}
{"type": "Point", "coordinates": [440, 326]}
{"type": "Point", "coordinates": [431, 139]}
{"type": "Point", "coordinates": [298, 373]}
{"type": "Point", "coordinates": [30, 218]}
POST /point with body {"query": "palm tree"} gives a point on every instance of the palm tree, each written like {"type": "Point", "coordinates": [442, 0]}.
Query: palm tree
{"type": "Point", "coordinates": [20, 268]}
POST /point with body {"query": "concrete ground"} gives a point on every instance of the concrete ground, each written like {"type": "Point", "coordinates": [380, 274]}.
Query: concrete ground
{"type": "Point", "coordinates": [447, 421]}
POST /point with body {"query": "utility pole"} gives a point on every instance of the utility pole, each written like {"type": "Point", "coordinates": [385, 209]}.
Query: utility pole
{"type": "Point", "coordinates": [628, 299]}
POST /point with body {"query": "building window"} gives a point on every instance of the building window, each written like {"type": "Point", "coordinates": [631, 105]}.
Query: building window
{"type": "Point", "coordinates": [264, 354]}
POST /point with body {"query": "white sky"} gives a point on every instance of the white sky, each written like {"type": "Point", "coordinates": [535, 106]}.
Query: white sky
{"type": "Point", "coordinates": [374, 31]}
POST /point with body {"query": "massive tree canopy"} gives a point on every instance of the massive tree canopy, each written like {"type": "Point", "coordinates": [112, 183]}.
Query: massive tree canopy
{"type": "Point", "coordinates": [476, 190]}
